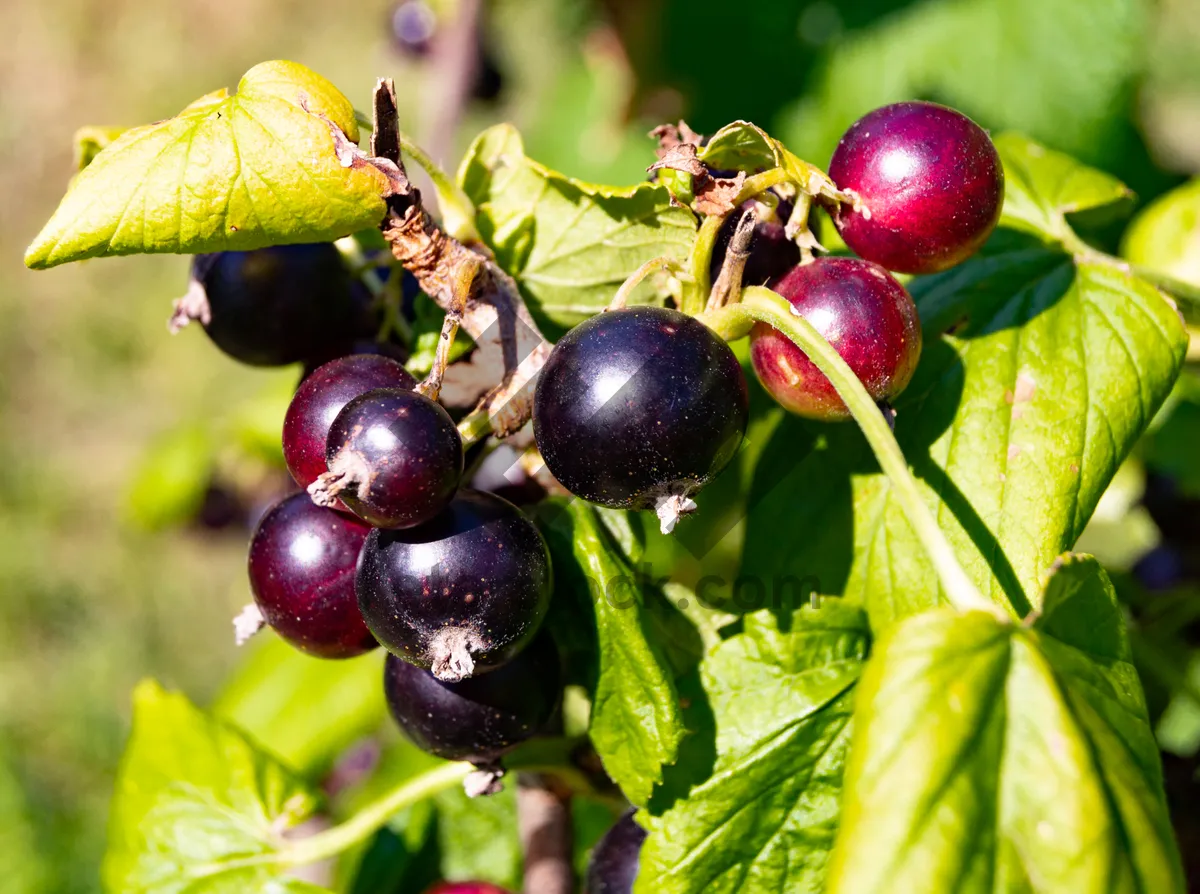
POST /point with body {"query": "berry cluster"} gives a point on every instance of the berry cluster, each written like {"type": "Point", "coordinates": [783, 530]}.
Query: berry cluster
{"type": "Point", "coordinates": [385, 548]}
{"type": "Point", "coordinates": [927, 188]}
{"type": "Point", "coordinates": [636, 408]}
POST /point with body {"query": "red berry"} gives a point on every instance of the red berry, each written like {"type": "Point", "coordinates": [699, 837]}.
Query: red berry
{"type": "Point", "coordinates": [931, 180]}
{"type": "Point", "coordinates": [466, 888]}
{"type": "Point", "coordinates": [321, 397]}
{"type": "Point", "coordinates": [863, 312]}
{"type": "Point", "coordinates": [302, 561]}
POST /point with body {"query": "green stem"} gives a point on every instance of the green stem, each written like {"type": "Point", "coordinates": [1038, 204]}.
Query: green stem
{"type": "Point", "coordinates": [695, 294]}
{"type": "Point", "coordinates": [762, 305]}
{"type": "Point", "coordinates": [654, 265]}
{"type": "Point", "coordinates": [475, 426]}
{"type": "Point", "coordinates": [457, 210]}
{"type": "Point", "coordinates": [372, 818]}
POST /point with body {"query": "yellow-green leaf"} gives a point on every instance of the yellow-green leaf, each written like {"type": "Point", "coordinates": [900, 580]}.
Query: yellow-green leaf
{"type": "Point", "coordinates": [240, 171]}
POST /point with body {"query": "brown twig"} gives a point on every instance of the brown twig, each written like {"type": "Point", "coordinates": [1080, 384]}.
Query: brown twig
{"type": "Point", "coordinates": [544, 824]}
{"type": "Point", "coordinates": [465, 282]}
{"type": "Point", "coordinates": [729, 280]}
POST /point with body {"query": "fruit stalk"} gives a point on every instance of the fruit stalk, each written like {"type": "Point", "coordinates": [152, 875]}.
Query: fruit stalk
{"type": "Point", "coordinates": [762, 305]}
{"type": "Point", "coordinates": [544, 824]}
{"type": "Point", "coordinates": [462, 281]}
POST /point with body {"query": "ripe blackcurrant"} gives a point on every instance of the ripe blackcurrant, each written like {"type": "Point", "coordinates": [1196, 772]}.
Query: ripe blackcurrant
{"type": "Point", "coordinates": [639, 409]}
{"type": "Point", "coordinates": [614, 862]}
{"type": "Point", "coordinates": [460, 594]}
{"type": "Point", "coordinates": [930, 181]}
{"type": "Point", "coordinates": [394, 457]}
{"type": "Point", "coordinates": [863, 312]}
{"type": "Point", "coordinates": [318, 400]}
{"type": "Point", "coordinates": [275, 305]}
{"type": "Point", "coordinates": [772, 253]}
{"type": "Point", "coordinates": [302, 561]}
{"type": "Point", "coordinates": [480, 718]}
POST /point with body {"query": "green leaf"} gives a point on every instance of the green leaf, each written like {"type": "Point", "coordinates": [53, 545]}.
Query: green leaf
{"type": "Point", "coordinates": [228, 172]}
{"type": "Point", "coordinates": [1015, 424]}
{"type": "Point", "coordinates": [1042, 187]}
{"type": "Point", "coordinates": [569, 244]}
{"type": "Point", "coordinates": [90, 140]}
{"type": "Point", "coordinates": [1165, 236]}
{"type": "Point", "coordinates": [987, 756]}
{"type": "Point", "coordinates": [993, 59]}
{"type": "Point", "coordinates": [477, 837]}
{"type": "Point", "coordinates": [196, 802]}
{"type": "Point", "coordinates": [764, 817]}
{"type": "Point", "coordinates": [636, 721]}
{"type": "Point", "coordinates": [307, 710]}
{"type": "Point", "coordinates": [171, 479]}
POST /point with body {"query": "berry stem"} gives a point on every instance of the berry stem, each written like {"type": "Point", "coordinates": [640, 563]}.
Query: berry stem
{"type": "Point", "coordinates": [762, 305]}
{"type": "Point", "coordinates": [457, 210]}
{"type": "Point", "coordinates": [621, 299]}
{"type": "Point", "coordinates": [699, 260]}
{"type": "Point", "coordinates": [432, 386]}
{"type": "Point", "coordinates": [371, 818]}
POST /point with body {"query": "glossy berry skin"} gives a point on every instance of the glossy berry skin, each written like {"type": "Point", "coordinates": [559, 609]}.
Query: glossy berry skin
{"type": "Point", "coordinates": [614, 863]}
{"type": "Point", "coordinates": [321, 396]}
{"type": "Point", "coordinates": [863, 312]}
{"type": "Point", "coordinates": [466, 888]}
{"type": "Point", "coordinates": [772, 253]}
{"type": "Point", "coordinates": [480, 718]}
{"type": "Point", "coordinates": [302, 561]}
{"type": "Point", "coordinates": [278, 305]}
{"type": "Point", "coordinates": [932, 180]}
{"type": "Point", "coordinates": [401, 453]}
{"type": "Point", "coordinates": [637, 405]}
{"type": "Point", "coordinates": [469, 588]}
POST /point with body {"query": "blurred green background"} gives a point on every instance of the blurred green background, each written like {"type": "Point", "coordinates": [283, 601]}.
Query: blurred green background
{"type": "Point", "coordinates": [118, 559]}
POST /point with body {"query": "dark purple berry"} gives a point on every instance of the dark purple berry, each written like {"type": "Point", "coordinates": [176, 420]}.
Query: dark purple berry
{"type": "Point", "coordinates": [318, 400]}
{"type": "Point", "coordinates": [863, 312]}
{"type": "Point", "coordinates": [639, 409]}
{"type": "Point", "coordinates": [479, 718]}
{"type": "Point", "coordinates": [772, 253]}
{"type": "Point", "coordinates": [302, 561]}
{"type": "Point", "coordinates": [931, 183]}
{"type": "Point", "coordinates": [277, 305]}
{"type": "Point", "coordinates": [614, 862]}
{"type": "Point", "coordinates": [394, 457]}
{"type": "Point", "coordinates": [461, 594]}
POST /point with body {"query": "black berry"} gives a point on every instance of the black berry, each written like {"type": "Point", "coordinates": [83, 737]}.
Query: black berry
{"type": "Point", "coordinates": [394, 457]}
{"type": "Point", "coordinates": [614, 862]}
{"type": "Point", "coordinates": [480, 718]}
{"type": "Point", "coordinates": [321, 396]}
{"type": "Point", "coordinates": [461, 594]}
{"type": "Point", "coordinates": [276, 305]}
{"type": "Point", "coordinates": [639, 409]}
{"type": "Point", "coordinates": [864, 313]}
{"type": "Point", "coordinates": [930, 182]}
{"type": "Point", "coordinates": [302, 561]}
